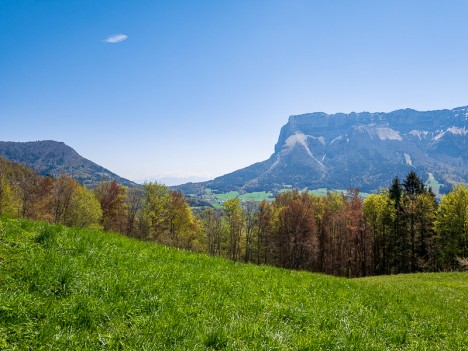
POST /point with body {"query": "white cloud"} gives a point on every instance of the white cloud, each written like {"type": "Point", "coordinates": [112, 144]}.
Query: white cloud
{"type": "Point", "coordinates": [116, 38]}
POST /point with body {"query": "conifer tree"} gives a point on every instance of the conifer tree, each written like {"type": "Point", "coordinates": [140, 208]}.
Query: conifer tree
{"type": "Point", "coordinates": [413, 184]}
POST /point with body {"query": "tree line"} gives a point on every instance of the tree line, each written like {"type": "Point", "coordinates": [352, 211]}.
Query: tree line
{"type": "Point", "coordinates": [402, 229]}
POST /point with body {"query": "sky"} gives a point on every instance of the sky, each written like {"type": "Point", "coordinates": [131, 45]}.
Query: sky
{"type": "Point", "coordinates": [202, 88]}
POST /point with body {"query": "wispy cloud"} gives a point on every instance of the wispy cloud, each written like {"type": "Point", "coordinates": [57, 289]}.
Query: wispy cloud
{"type": "Point", "coordinates": [116, 38]}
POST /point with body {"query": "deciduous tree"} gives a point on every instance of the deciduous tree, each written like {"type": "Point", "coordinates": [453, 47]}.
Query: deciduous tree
{"type": "Point", "coordinates": [234, 219]}
{"type": "Point", "coordinates": [452, 226]}
{"type": "Point", "coordinates": [62, 193]}
{"type": "Point", "coordinates": [156, 210]}
{"type": "Point", "coordinates": [84, 209]}
{"type": "Point", "coordinates": [112, 197]}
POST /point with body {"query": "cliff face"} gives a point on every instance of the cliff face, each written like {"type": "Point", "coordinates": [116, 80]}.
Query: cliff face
{"type": "Point", "coordinates": [364, 150]}
{"type": "Point", "coordinates": [53, 158]}
{"type": "Point", "coordinates": [403, 121]}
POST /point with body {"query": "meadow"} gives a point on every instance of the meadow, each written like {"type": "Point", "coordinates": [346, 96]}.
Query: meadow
{"type": "Point", "coordinates": [64, 288]}
{"type": "Point", "coordinates": [216, 198]}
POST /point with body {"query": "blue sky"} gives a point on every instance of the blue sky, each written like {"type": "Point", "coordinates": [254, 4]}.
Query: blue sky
{"type": "Point", "coordinates": [203, 87]}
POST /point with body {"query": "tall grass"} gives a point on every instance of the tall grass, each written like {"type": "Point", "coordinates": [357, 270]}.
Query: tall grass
{"type": "Point", "coordinates": [69, 289]}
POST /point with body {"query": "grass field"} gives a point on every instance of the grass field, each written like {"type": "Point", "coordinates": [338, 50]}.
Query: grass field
{"type": "Point", "coordinates": [323, 192]}
{"type": "Point", "coordinates": [254, 196]}
{"type": "Point", "coordinates": [215, 198]}
{"type": "Point", "coordinates": [68, 289]}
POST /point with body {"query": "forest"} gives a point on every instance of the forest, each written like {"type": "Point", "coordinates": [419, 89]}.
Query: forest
{"type": "Point", "coordinates": [402, 229]}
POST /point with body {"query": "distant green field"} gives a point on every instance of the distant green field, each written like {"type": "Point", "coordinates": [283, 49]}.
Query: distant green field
{"type": "Point", "coordinates": [227, 196]}
{"type": "Point", "coordinates": [257, 196]}
{"type": "Point", "coordinates": [215, 198]}
{"type": "Point", "coordinates": [323, 192]}
{"type": "Point", "coordinates": [434, 184]}
{"type": "Point", "coordinates": [69, 289]}
{"type": "Point", "coordinates": [319, 192]}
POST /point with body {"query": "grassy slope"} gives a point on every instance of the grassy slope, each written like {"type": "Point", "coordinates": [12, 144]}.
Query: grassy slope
{"type": "Point", "coordinates": [63, 288]}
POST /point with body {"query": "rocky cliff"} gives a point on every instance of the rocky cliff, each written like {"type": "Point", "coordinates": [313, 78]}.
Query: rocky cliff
{"type": "Point", "coordinates": [364, 150]}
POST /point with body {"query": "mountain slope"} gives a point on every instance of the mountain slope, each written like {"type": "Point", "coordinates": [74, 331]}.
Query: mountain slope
{"type": "Point", "coordinates": [53, 158]}
{"type": "Point", "coordinates": [72, 289]}
{"type": "Point", "coordinates": [364, 150]}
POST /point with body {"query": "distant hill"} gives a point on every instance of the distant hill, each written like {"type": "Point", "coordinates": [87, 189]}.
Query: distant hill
{"type": "Point", "coordinates": [53, 158]}
{"type": "Point", "coordinates": [365, 150]}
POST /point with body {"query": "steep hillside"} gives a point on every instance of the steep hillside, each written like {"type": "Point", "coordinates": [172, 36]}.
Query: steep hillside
{"type": "Point", "coordinates": [67, 289]}
{"type": "Point", "coordinates": [364, 150]}
{"type": "Point", "coordinates": [53, 158]}
{"type": "Point", "coordinates": [13, 170]}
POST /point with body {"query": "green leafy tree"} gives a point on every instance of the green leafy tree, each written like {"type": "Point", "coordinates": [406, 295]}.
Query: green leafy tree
{"type": "Point", "coordinates": [182, 223]}
{"type": "Point", "coordinates": [331, 218]}
{"type": "Point", "coordinates": [426, 207]}
{"type": "Point", "coordinates": [250, 219]}
{"type": "Point", "coordinates": [9, 200]}
{"type": "Point", "coordinates": [212, 227]}
{"type": "Point", "coordinates": [379, 214]}
{"type": "Point", "coordinates": [452, 227]}
{"type": "Point", "coordinates": [234, 218]}
{"type": "Point", "coordinates": [84, 209]}
{"type": "Point", "coordinates": [156, 210]}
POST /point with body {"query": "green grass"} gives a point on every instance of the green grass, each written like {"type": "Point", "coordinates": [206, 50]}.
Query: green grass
{"type": "Point", "coordinates": [68, 289]}
{"type": "Point", "coordinates": [257, 196]}
{"type": "Point", "coordinates": [227, 196]}
{"type": "Point", "coordinates": [319, 192]}
{"type": "Point", "coordinates": [323, 192]}
{"type": "Point", "coordinates": [215, 198]}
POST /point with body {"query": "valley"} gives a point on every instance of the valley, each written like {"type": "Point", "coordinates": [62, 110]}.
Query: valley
{"type": "Point", "coordinates": [233, 175]}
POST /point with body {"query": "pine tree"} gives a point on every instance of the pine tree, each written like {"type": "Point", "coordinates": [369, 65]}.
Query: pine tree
{"type": "Point", "coordinates": [413, 184]}
{"type": "Point", "coordinates": [395, 191]}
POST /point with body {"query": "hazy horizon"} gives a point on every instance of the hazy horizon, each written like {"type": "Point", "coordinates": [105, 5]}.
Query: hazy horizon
{"type": "Point", "coordinates": [202, 89]}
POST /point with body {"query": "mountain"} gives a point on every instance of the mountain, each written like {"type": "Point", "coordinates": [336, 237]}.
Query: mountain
{"type": "Point", "coordinates": [364, 150]}
{"type": "Point", "coordinates": [53, 158]}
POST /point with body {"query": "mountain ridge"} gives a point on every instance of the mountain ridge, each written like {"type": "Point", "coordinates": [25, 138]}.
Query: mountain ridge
{"type": "Point", "coordinates": [50, 157]}
{"type": "Point", "coordinates": [364, 150]}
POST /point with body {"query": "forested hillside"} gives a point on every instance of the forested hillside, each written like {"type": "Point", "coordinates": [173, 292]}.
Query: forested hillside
{"type": "Point", "coordinates": [53, 158]}
{"type": "Point", "coordinates": [399, 230]}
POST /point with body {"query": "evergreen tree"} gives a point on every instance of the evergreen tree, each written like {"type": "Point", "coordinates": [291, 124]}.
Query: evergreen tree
{"type": "Point", "coordinates": [413, 184]}
{"type": "Point", "coordinates": [398, 241]}
{"type": "Point", "coordinates": [395, 191]}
